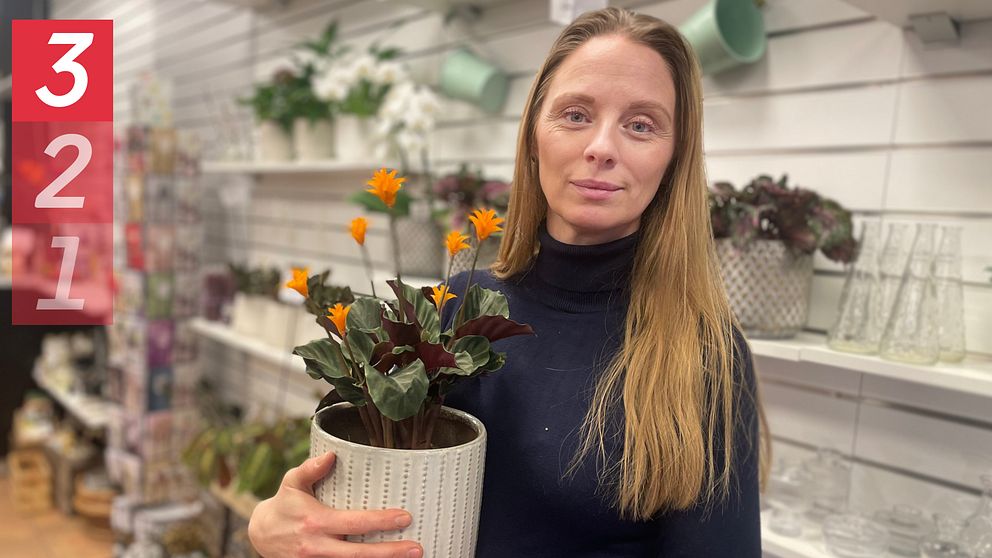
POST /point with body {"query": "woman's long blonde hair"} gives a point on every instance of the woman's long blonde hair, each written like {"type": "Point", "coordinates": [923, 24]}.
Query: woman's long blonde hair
{"type": "Point", "coordinates": [674, 373]}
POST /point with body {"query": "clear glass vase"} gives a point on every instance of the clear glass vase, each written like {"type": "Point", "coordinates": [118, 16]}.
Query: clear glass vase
{"type": "Point", "coordinates": [945, 539]}
{"type": "Point", "coordinates": [950, 295]}
{"type": "Point", "coordinates": [788, 486]}
{"type": "Point", "coordinates": [856, 329]}
{"type": "Point", "coordinates": [831, 479]}
{"type": "Point", "coordinates": [976, 537]}
{"type": "Point", "coordinates": [911, 335]}
{"type": "Point", "coordinates": [907, 527]}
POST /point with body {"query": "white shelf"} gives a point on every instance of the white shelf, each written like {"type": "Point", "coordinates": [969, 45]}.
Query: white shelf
{"type": "Point", "coordinates": [973, 375]}
{"type": "Point", "coordinates": [222, 333]}
{"type": "Point", "coordinates": [293, 167]}
{"type": "Point", "coordinates": [93, 412]}
{"type": "Point", "coordinates": [776, 545]}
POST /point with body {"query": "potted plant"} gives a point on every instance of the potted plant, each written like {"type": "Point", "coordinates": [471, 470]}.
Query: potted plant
{"type": "Point", "coordinates": [270, 103]}
{"type": "Point", "coordinates": [357, 86]}
{"type": "Point", "coordinates": [391, 363]}
{"type": "Point", "coordinates": [766, 236]}
{"type": "Point", "coordinates": [313, 115]}
{"type": "Point", "coordinates": [465, 189]}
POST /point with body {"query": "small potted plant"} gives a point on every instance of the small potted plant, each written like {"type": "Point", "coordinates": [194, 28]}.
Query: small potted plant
{"type": "Point", "coordinates": [270, 103]}
{"type": "Point", "coordinates": [357, 85]}
{"type": "Point", "coordinates": [314, 115]}
{"type": "Point", "coordinates": [391, 363]}
{"type": "Point", "coordinates": [766, 235]}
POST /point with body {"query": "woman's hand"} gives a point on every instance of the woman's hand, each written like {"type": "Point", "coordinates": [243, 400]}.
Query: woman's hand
{"type": "Point", "coordinates": [293, 524]}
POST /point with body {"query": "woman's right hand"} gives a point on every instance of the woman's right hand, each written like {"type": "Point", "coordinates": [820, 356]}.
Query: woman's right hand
{"type": "Point", "coordinates": [293, 524]}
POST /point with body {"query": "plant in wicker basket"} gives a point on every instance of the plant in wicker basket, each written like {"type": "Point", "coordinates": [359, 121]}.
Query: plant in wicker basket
{"type": "Point", "coordinates": [766, 234]}
{"type": "Point", "coordinates": [770, 210]}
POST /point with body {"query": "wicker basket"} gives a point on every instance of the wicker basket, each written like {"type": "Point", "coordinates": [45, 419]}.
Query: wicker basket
{"type": "Point", "coordinates": [421, 248]}
{"type": "Point", "coordinates": [30, 480]}
{"type": "Point", "coordinates": [768, 288]}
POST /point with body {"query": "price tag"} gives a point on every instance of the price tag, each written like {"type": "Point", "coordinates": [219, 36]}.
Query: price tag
{"type": "Point", "coordinates": [62, 171]}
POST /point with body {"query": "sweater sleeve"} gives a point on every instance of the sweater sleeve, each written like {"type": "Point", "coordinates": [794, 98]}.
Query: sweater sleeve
{"type": "Point", "coordinates": [731, 527]}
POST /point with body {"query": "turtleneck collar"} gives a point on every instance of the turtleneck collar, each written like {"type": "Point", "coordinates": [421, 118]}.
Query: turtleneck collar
{"type": "Point", "coordinates": [582, 278]}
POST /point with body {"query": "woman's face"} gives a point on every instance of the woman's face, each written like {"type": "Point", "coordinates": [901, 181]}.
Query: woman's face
{"type": "Point", "coordinates": [605, 135]}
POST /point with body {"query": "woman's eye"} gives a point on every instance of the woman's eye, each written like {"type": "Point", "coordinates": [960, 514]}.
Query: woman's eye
{"type": "Point", "coordinates": [641, 127]}
{"type": "Point", "coordinates": [575, 116]}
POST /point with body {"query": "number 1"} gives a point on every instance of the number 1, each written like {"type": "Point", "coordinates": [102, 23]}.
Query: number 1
{"type": "Point", "coordinates": [70, 246]}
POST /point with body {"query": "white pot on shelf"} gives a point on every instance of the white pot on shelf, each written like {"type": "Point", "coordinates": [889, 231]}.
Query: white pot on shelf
{"type": "Point", "coordinates": [272, 142]}
{"type": "Point", "coordinates": [307, 328]}
{"type": "Point", "coordinates": [278, 321]}
{"type": "Point", "coordinates": [313, 141]}
{"type": "Point", "coordinates": [354, 137]}
{"type": "Point", "coordinates": [441, 487]}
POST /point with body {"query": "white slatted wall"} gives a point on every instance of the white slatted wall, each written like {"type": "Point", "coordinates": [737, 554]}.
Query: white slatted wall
{"type": "Point", "coordinates": [846, 104]}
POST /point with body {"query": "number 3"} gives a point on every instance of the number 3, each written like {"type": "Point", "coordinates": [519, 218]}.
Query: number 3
{"type": "Point", "coordinates": [80, 42]}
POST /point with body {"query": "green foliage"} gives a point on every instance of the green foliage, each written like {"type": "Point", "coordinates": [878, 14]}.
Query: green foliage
{"type": "Point", "coordinates": [770, 210]}
{"type": "Point", "coordinates": [394, 356]}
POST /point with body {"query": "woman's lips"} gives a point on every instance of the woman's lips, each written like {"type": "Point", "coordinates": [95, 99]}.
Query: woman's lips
{"type": "Point", "coordinates": [595, 189]}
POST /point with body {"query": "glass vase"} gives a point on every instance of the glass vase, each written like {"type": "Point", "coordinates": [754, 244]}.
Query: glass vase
{"type": "Point", "coordinates": [911, 335]}
{"type": "Point", "coordinates": [831, 478]}
{"type": "Point", "coordinates": [950, 295]}
{"type": "Point", "coordinates": [976, 537]}
{"type": "Point", "coordinates": [945, 539]}
{"type": "Point", "coordinates": [856, 329]}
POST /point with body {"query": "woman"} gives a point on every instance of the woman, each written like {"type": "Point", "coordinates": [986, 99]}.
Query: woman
{"type": "Point", "coordinates": [629, 425]}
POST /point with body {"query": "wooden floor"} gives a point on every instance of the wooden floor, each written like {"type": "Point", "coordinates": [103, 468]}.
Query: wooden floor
{"type": "Point", "coordinates": [48, 534]}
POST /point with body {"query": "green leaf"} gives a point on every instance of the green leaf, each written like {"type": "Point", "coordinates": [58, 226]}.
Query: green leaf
{"type": "Point", "coordinates": [348, 390]}
{"type": "Point", "coordinates": [426, 313]}
{"type": "Point", "coordinates": [365, 314]}
{"type": "Point", "coordinates": [496, 361]}
{"type": "Point", "coordinates": [466, 365]}
{"type": "Point", "coordinates": [482, 302]}
{"type": "Point", "coordinates": [362, 345]}
{"type": "Point", "coordinates": [255, 470]}
{"type": "Point", "coordinates": [370, 202]}
{"type": "Point", "coordinates": [476, 346]}
{"type": "Point", "coordinates": [324, 357]}
{"type": "Point", "coordinates": [398, 395]}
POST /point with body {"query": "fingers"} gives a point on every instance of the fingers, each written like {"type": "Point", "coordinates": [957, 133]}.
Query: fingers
{"type": "Point", "coordinates": [361, 522]}
{"type": "Point", "coordinates": [310, 471]}
{"type": "Point", "coordinates": [342, 549]}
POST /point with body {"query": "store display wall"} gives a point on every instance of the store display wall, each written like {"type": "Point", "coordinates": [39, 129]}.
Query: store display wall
{"type": "Point", "coordinates": [844, 103]}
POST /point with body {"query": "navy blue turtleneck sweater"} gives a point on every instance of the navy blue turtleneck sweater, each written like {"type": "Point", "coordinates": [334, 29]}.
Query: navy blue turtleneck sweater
{"type": "Point", "coordinates": [575, 298]}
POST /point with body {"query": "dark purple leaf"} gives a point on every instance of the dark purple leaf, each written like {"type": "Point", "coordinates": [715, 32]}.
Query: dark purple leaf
{"type": "Point", "coordinates": [493, 328]}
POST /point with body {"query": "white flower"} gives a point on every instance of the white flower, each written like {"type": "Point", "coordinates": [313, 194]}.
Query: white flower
{"type": "Point", "coordinates": [387, 73]}
{"type": "Point", "coordinates": [411, 142]}
{"type": "Point", "coordinates": [364, 67]}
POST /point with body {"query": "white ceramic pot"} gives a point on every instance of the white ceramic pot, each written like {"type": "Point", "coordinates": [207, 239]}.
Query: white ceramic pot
{"type": "Point", "coordinates": [354, 138]}
{"type": "Point", "coordinates": [272, 142]}
{"type": "Point", "coordinates": [246, 314]}
{"type": "Point", "coordinates": [277, 321]}
{"type": "Point", "coordinates": [441, 488]}
{"type": "Point", "coordinates": [313, 141]}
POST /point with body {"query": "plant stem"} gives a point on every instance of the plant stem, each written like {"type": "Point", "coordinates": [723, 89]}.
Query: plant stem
{"type": "Point", "coordinates": [396, 245]}
{"type": "Point", "coordinates": [368, 268]}
{"type": "Point", "coordinates": [432, 412]}
{"type": "Point", "coordinates": [471, 272]}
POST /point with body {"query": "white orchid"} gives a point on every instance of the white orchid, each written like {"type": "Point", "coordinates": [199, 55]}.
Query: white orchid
{"type": "Point", "coordinates": [388, 73]}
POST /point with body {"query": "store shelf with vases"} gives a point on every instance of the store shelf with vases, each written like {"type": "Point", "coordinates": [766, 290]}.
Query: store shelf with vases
{"type": "Point", "coordinates": [973, 375]}
{"type": "Point", "coordinates": [780, 546]}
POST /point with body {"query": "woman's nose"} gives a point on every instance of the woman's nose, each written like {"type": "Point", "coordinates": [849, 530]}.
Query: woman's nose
{"type": "Point", "coordinates": [602, 148]}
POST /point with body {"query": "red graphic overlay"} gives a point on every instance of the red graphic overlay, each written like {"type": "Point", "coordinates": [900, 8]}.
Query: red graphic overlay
{"type": "Point", "coordinates": [63, 172]}
{"type": "Point", "coordinates": [63, 274]}
{"type": "Point", "coordinates": [62, 70]}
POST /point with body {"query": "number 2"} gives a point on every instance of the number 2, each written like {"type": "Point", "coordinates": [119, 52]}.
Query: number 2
{"type": "Point", "coordinates": [80, 42]}
{"type": "Point", "coordinates": [47, 198]}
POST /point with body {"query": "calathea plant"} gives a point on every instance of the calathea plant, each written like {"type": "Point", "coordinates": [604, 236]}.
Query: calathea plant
{"type": "Point", "coordinates": [391, 358]}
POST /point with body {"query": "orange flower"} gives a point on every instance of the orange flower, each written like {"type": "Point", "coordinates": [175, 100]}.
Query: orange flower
{"type": "Point", "coordinates": [339, 315]}
{"type": "Point", "coordinates": [358, 227]}
{"type": "Point", "coordinates": [486, 223]}
{"type": "Point", "coordinates": [385, 185]}
{"type": "Point", "coordinates": [441, 295]}
{"type": "Point", "coordinates": [299, 281]}
{"type": "Point", "coordinates": [455, 242]}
